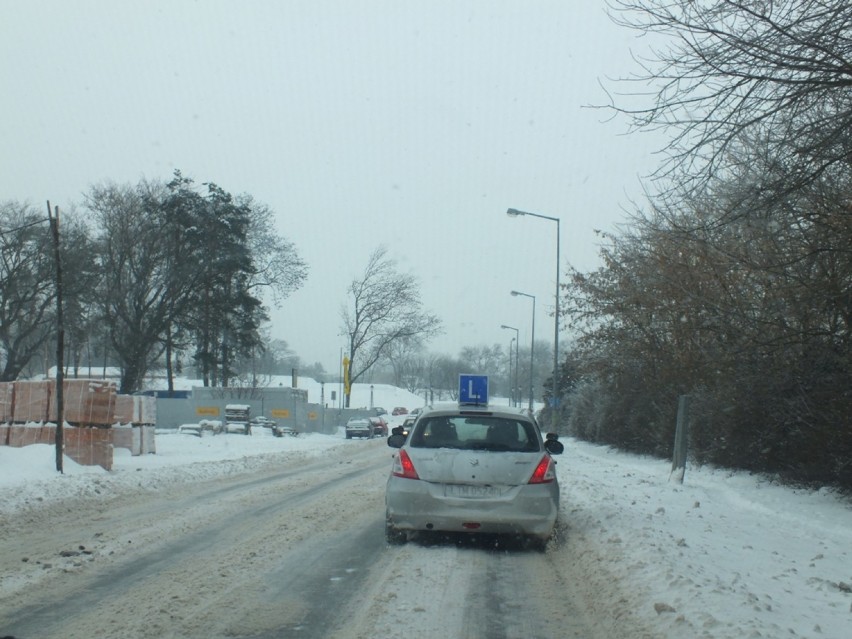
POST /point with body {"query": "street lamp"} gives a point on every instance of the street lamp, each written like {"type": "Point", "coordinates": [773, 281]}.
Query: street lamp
{"type": "Point", "coordinates": [512, 396]}
{"type": "Point", "coordinates": [556, 392]}
{"type": "Point", "coordinates": [532, 344]}
{"type": "Point", "coordinates": [322, 405]}
{"type": "Point", "coordinates": [517, 341]}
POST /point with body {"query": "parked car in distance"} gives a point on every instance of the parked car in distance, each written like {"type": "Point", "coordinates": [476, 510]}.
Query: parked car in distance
{"type": "Point", "coordinates": [380, 426]}
{"type": "Point", "coordinates": [407, 424]}
{"type": "Point", "coordinates": [465, 469]}
{"type": "Point", "coordinates": [399, 410]}
{"type": "Point", "coordinates": [359, 427]}
{"type": "Point", "coordinates": [379, 411]}
{"type": "Point", "coordinates": [279, 431]}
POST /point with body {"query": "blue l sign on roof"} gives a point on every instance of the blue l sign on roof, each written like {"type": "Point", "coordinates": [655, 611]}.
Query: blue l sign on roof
{"type": "Point", "coordinates": [473, 389]}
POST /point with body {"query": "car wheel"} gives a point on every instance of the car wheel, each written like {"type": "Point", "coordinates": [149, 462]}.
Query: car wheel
{"type": "Point", "coordinates": [393, 536]}
{"type": "Point", "coordinates": [348, 435]}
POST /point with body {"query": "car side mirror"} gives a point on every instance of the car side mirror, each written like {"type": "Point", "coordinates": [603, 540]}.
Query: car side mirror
{"type": "Point", "coordinates": [552, 444]}
{"type": "Point", "coordinates": [396, 440]}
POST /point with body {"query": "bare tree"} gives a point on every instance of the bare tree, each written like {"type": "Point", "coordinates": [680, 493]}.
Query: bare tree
{"type": "Point", "coordinates": [277, 265]}
{"type": "Point", "coordinates": [384, 308]}
{"type": "Point", "coordinates": [491, 361]}
{"type": "Point", "coordinates": [27, 289]}
{"type": "Point", "coordinates": [148, 271]}
{"type": "Point", "coordinates": [483, 359]}
{"type": "Point", "coordinates": [725, 71]}
{"type": "Point", "coordinates": [444, 379]}
{"type": "Point", "coordinates": [405, 359]}
{"type": "Point", "coordinates": [26, 286]}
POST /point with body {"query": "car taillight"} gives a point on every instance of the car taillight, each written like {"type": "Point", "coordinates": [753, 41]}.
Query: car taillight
{"type": "Point", "coordinates": [545, 472]}
{"type": "Point", "coordinates": [403, 467]}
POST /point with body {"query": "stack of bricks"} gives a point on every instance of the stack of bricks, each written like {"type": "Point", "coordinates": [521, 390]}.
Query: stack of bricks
{"type": "Point", "coordinates": [28, 414]}
{"type": "Point", "coordinates": [135, 409]}
{"type": "Point", "coordinates": [87, 402]}
{"type": "Point", "coordinates": [7, 393]}
{"type": "Point", "coordinates": [31, 401]}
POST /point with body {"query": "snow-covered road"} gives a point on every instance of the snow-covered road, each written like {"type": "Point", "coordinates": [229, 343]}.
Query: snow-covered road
{"type": "Point", "coordinates": [294, 548]}
{"type": "Point", "coordinates": [234, 536]}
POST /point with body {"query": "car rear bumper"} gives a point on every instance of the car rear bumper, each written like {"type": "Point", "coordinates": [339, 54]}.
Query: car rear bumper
{"type": "Point", "coordinates": [419, 505]}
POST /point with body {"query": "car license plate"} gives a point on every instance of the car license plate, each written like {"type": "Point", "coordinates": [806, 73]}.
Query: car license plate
{"type": "Point", "coordinates": [470, 492]}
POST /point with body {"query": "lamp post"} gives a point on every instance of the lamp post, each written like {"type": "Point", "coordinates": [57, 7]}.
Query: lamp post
{"type": "Point", "coordinates": [532, 344]}
{"type": "Point", "coordinates": [556, 392]}
{"type": "Point", "coordinates": [517, 341]}
{"type": "Point", "coordinates": [322, 405]}
{"type": "Point", "coordinates": [512, 395]}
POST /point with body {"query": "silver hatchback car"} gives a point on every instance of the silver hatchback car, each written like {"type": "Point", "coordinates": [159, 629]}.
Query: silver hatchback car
{"type": "Point", "coordinates": [359, 427]}
{"type": "Point", "coordinates": [473, 470]}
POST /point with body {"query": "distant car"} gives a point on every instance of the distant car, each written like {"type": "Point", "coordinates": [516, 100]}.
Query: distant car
{"type": "Point", "coordinates": [416, 411]}
{"type": "Point", "coordinates": [380, 426]}
{"type": "Point", "coordinates": [359, 427]}
{"type": "Point", "coordinates": [473, 470]}
{"type": "Point", "coordinates": [407, 424]}
{"type": "Point", "coordinates": [379, 411]}
{"type": "Point", "coordinates": [399, 410]}
{"type": "Point", "coordinates": [281, 431]}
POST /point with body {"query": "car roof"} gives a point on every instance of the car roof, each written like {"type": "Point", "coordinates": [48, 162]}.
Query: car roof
{"type": "Point", "coordinates": [448, 408]}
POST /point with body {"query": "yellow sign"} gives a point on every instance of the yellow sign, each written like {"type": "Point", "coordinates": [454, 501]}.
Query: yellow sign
{"type": "Point", "coordinates": [312, 415]}
{"type": "Point", "coordinates": [208, 411]}
{"type": "Point", "coordinates": [281, 413]}
{"type": "Point", "coordinates": [346, 387]}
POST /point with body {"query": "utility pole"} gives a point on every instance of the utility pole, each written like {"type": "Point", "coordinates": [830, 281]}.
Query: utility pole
{"type": "Point", "coordinates": [60, 338]}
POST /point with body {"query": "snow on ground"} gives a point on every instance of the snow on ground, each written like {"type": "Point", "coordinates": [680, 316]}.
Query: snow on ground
{"type": "Point", "coordinates": [28, 475]}
{"type": "Point", "coordinates": [724, 555]}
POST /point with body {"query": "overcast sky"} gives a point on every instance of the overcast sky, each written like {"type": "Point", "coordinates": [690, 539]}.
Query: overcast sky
{"type": "Point", "coordinates": [409, 124]}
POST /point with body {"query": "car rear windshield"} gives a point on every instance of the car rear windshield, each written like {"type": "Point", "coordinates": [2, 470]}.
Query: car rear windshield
{"type": "Point", "coordinates": [475, 433]}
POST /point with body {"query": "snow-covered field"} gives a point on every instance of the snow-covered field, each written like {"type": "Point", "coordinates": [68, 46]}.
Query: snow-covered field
{"type": "Point", "coordinates": [725, 555]}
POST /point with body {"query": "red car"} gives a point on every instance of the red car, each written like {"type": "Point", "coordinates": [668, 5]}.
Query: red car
{"type": "Point", "coordinates": [400, 410]}
{"type": "Point", "coordinates": [380, 426]}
